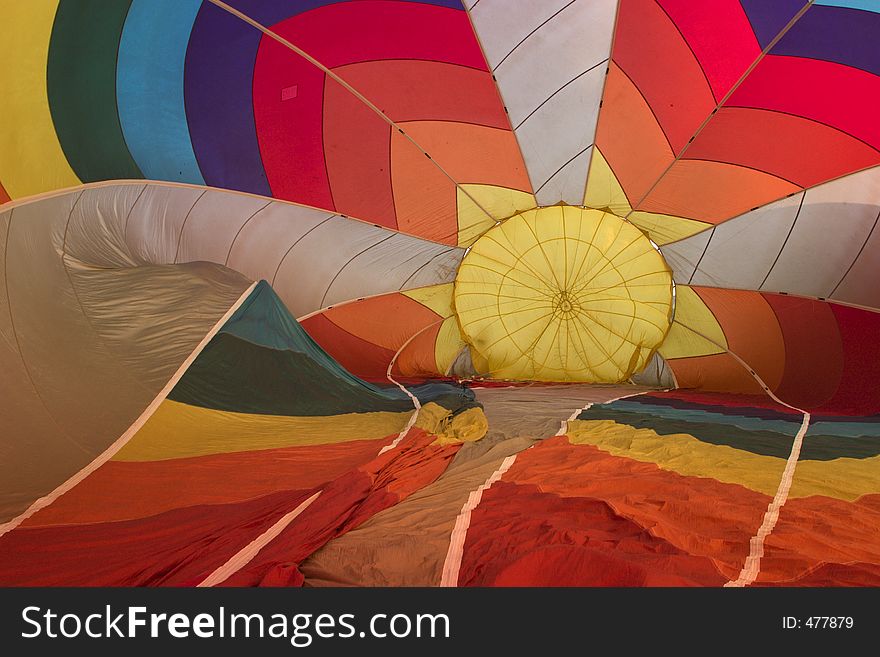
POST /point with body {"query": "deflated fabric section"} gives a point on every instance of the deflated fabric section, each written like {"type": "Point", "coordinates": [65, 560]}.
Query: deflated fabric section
{"type": "Point", "coordinates": [407, 545]}
{"type": "Point", "coordinates": [232, 452]}
{"type": "Point", "coordinates": [262, 352]}
{"type": "Point", "coordinates": [418, 326]}
{"type": "Point", "coordinates": [669, 500]}
{"type": "Point", "coordinates": [815, 355]}
{"type": "Point", "coordinates": [90, 335]}
{"type": "Point", "coordinates": [827, 533]}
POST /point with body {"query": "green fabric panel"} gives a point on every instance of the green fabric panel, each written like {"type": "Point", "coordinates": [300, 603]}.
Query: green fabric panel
{"type": "Point", "coordinates": [232, 374]}
{"type": "Point", "coordinates": [818, 447]}
{"type": "Point", "coordinates": [263, 361]}
{"type": "Point", "coordinates": [766, 443]}
{"type": "Point", "coordinates": [822, 447]}
{"type": "Point", "coordinates": [81, 81]}
{"type": "Point", "coordinates": [264, 320]}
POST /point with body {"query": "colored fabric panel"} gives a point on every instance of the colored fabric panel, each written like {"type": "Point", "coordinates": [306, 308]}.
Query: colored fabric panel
{"type": "Point", "coordinates": [218, 81]}
{"type": "Point", "coordinates": [720, 517]}
{"type": "Point", "coordinates": [720, 36]}
{"type": "Point", "coordinates": [834, 34]}
{"type": "Point", "coordinates": [39, 164]}
{"type": "Point", "coordinates": [125, 490]}
{"type": "Point", "coordinates": [681, 453]}
{"type": "Point", "coordinates": [179, 430]}
{"type": "Point", "coordinates": [652, 53]}
{"type": "Point", "coordinates": [81, 81]}
{"type": "Point", "coordinates": [150, 86]}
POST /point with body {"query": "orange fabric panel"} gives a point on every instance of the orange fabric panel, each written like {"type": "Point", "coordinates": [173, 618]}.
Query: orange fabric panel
{"type": "Point", "coordinates": [751, 329]}
{"type": "Point", "coordinates": [629, 137]}
{"type": "Point", "coordinates": [713, 191]}
{"type": "Point", "coordinates": [357, 152]}
{"type": "Point", "coordinates": [419, 356]}
{"type": "Point", "coordinates": [425, 200]}
{"type": "Point", "coordinates": [454, 93]}
{"type": "Point", "coordinates": [523, 536]}
{"type": "Point", "coordinates": [804, 152]}
{"type": "Point", "coordinates": [3, 195]}
{"type": "Point", "coordinates": [124, 490]}
{"type": "Point", "coordinates": [361, 358]}
{"type": "Point", "coordinates": [718, 372]}
{"type": "Point", "coordinates": [473, 154]}
{"type": "Point", "coordinates": [655, 56]}
{"type": "Point", "coordinates": [388, 320]}
{"type": "Point", "coordinates": [822, 541]}
{"type": "Point", "coordinates": [697, 512]}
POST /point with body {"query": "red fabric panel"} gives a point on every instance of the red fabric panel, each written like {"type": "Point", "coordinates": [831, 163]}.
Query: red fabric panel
{"type": "Point", "coordinates": [724, 399]}
{"type": "Point", "coordinates": [843, 97]}
{"type": "Point", "coordinates": [813, 353]}
{"type": "Point", "coordinates": [357, 148]}
{"type": "Point", "coordinates": [3, 195]}
{"type": "Point", "coordinates": [121, 490]}
{"type": "Point", "coordinates": [858, 393]}
{"type": "Point", "coordinates": [346, 503]}
{"type": "Point", "coordinates": [290, 131]}
{"type": "Point", "coordinates": [359, 357]}
{"type": "Point", "coordinates": [179, 547]}
{"type": "Point", "coordinates": [699, 516]}
{"type": "Point", "coordinates": [721, 37]}
{"type": "Point", "coordinates": [796, 149]}
{"type": "Point", "coordinates": [413, 90]}
{"type": "Point", "coordinates": [347, 32]}
{"type": "Point", "coordinates": [520, 536]}
{"type": "Point", "coordinates": [653, 54]}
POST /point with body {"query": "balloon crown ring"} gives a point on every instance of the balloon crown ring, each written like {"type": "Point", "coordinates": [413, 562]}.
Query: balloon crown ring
{"type": "Point", "coordinates": [563, 293]}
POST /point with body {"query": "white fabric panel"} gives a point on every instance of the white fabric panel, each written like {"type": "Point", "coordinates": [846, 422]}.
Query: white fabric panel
{"type": "Point", "coordinates": [548, 59]}
{"type": "Point", "coordinates": [6, 332]}
{"type": "Point", "coordinates": [153, 228]}
{"type": "Point", "coordinates": [683, 256]}
{"type": "Point", "coordinates": [861, 285]}
{"type": "Point", "coordinates": [501, 29]}
{"type": "Point", "coordinates": [386, 266]}
{"type": "Point", "coordinates": [213, 224]}
{"type": "Point", "coordinates": [440, 269]}
{"type": "Point", "coordinates": [309, 267]}
{"type": "Point", "coordinates": [567, 183]}
{"type": "Point", "coordinates": [554, 135]}
{"type": "Point", "coordinates": [268, 235]}
{"type": "Point", "coordinates": [656, 374]}
{"type": "Point", "coordinates": [96, 230]}
{"type": "Point", "coordinates": [741, 251]}
{"type": "Point", "coordinates": [830, 231]}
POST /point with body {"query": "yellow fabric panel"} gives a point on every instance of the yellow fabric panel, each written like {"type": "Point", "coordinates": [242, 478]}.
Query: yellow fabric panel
{"type": "Point", "coordinates": [31, 159]}
{"type": "Point", "coordinates": [690, 311]}
{"type": "Point", "coordinates": [664, 228]}
{"type": "Point", "coordinates": [564, 293]}
{"type": "Point", "coordinates": [449, 343]}
{"type": "Point", "coordinates": [603, 189]}
{"type": "Point", "coordinates": [845, 478]}
{"type": "Point", "coordinates": [499, 202]}
{"type": "Point", "coordinates": [467, 426]}
{"type": "Point", "coordinates": [179, 430]}
{"type": "Point", "coordinates": [681, 453]}
{"type": "Point", "coordinates": [435, 297]}
{"type": "Point", "coordinates": [449, 339]}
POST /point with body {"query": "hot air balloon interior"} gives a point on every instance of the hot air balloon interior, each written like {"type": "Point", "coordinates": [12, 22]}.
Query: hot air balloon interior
{"type": "Point", "coordinates": [440, 293]}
